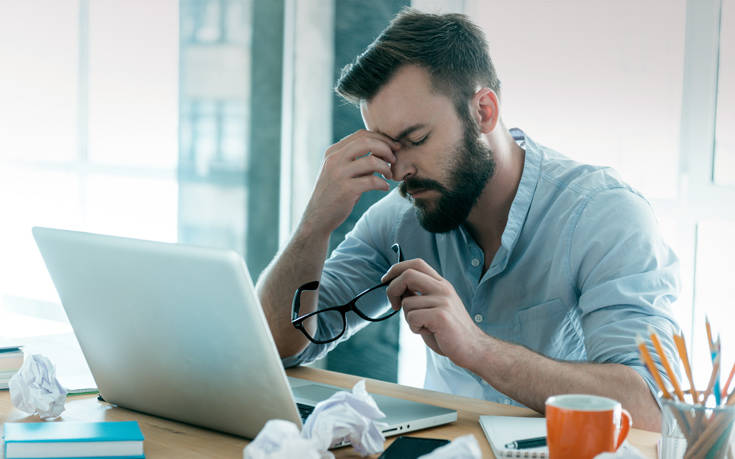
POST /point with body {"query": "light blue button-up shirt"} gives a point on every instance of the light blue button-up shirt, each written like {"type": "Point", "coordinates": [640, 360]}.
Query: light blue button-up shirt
{"type": "Point", "coordinates": [581, 270]}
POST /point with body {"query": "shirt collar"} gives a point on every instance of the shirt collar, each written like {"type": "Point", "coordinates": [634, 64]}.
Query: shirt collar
{"type": "Point", "coordinates": [521, 202]}
{"type": "Point", "coordinates": [523, 198]}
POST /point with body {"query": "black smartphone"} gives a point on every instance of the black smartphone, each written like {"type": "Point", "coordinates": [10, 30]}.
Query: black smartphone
{"type": "Point", "coordinates": [411, 447]}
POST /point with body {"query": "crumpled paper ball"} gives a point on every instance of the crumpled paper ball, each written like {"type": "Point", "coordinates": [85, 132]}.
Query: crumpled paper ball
{"type": "Point", "coordinates": [34, 389]}
{"type": "Point", "coordinates": [282, 439]}
{"type": "Point", "coordinates": [350, 415]}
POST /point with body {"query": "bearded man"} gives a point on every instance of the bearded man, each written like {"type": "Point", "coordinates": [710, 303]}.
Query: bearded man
{"type": "Point", "coordinates": [526, 274]}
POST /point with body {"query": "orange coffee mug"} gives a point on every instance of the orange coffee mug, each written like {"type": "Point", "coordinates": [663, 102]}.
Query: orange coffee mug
{"type": "Point", "coordinates": [582, 426]}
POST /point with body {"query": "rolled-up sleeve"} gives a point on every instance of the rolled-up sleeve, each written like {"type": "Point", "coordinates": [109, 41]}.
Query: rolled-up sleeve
{"type": "Point", "coordinates": [627, 279]}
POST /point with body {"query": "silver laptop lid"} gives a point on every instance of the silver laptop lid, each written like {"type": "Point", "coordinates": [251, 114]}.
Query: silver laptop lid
{"type": "Point", "coordinates": [171, 330]}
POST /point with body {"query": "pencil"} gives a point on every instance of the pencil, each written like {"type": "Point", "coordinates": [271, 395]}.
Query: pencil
{"type": "Point", "coordinates": [682, 348]}
{"type": "Point", "coordinates": [665, 363]}
{"type": "Point", "coordinates": [646, 356]}
{"type": "Point", "coordinates": [717, 379]}
{"type": "Point", "coordinates": [706, 441]}
{"type": "Point", "coordinates": [713, 354]}
{"type": "Point", "coordinates": [712, 378]}
{"type": "Point", "coordinates": [726, 387]}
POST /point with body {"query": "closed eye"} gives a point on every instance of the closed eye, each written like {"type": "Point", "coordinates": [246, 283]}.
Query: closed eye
{"type": "Point", "coordinates": [420, 141]}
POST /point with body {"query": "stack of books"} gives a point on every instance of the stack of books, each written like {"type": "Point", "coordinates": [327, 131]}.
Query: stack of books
{"type": "Point", "coordinates": [73, 439]}
{"type": "Point", "coordinates": [11, 359]}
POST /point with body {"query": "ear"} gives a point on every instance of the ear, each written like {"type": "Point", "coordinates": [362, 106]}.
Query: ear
{"type": "Point", "coordinates": [486, 109]}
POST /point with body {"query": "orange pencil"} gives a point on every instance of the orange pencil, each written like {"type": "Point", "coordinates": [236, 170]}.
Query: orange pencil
{"type": "Point", "coordinates": [646, 356]}
{"type": "Point", "coordinates": [709, 334]}
{"type": "Point", "coordinates": [682, 348]}
{"type": "Point", "coordinates": [729, 380]}
{"type": "Point", "coordinates": [665, 363]}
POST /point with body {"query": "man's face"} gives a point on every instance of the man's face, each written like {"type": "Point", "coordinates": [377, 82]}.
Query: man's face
{"type": "Point", "coordinates": [471, 167]}
{"type": "Point", "coordinates": [442, 164]}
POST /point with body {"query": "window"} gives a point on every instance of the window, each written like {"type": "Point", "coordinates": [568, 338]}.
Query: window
{"type": "Point", "coordinates": [724, 170]}
{"type": "Point", "coordinates": [134, 119]}
{"type": "Point", "coordinates": [82, 145]}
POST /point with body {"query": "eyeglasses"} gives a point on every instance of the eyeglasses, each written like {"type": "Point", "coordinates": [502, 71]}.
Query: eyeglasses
{"type": "Point", "coordinates": [368, 305]}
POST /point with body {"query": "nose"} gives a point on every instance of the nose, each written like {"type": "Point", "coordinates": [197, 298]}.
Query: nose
{"type": "Point", "coordinates": [402, 168]}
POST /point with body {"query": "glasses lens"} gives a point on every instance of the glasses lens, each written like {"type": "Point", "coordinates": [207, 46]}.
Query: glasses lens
{"type": "Point", "coordinates": [375, 304]}
{"type": "Point", "coordinates": [331, 325]}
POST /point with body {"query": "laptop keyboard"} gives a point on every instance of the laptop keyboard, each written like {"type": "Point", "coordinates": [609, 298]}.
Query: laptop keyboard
{"type": "Point", "coordinates": [304, 410]}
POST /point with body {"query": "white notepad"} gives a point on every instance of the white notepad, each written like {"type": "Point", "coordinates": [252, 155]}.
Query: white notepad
{"type": "Point", "coordinates": [501, 430]}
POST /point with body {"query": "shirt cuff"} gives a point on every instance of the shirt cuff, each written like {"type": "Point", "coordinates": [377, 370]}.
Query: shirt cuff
{"type": "Point", "coordinates": [294, 360]}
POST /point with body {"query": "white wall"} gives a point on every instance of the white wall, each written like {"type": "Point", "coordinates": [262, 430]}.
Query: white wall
{"type": "Point", "coordinates": [599, 81]}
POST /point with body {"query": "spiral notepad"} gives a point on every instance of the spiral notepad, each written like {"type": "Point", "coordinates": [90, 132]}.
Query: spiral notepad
{"type": "Point", "coordinates": [501, 430]}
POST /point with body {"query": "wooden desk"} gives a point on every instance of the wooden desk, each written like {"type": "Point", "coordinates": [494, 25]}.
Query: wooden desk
{"type": "Point", "coordinates": [165, 439]}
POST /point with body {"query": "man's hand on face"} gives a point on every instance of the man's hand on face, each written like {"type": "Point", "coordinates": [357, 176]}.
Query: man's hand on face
{"type": "Point", "coordinates": [434, 310]}
{"type": "Point", "coordinates": [347, 172]}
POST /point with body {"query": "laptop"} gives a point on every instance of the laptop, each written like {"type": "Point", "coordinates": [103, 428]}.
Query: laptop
{"type": "Point", "coordinates": [177, 331]}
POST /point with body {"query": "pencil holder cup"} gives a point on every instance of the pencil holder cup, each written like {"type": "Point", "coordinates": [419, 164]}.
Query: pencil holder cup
{"type": "Point", "coordinates": [696, 431]}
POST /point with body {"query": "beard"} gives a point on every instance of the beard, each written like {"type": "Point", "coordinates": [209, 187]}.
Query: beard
{"type": "Point", "coordinates": [473, 165]}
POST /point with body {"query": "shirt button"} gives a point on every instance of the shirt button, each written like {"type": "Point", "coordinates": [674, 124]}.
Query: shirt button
{"type": "Point", "coordinates": [478, 318]}
{"type": "Point", "coordinates": [475, 262]}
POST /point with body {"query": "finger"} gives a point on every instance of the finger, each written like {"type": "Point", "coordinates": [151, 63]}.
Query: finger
{"type": "Point", "coordinates": [421, 320]}
{"type": "Point", "coordinates": [369, 182]}
{"type": "Point", "coordinates": [372, 144]}
{"type": "Point", "coordinates": [364, 133]}
{"type": "Point", "coordinates": [360, 133]}
{"type": "Point", "coordinates": [410, 282]}
{"type": "Point", "coordinates": [414, 302]}
{"type": "Point", "coordinates": [367, 165]}
{"type": "Point", "coordinates": [395, 145]}
{"type": "Point", "coordinates": [418, 264]}
{"type": "Point", "coordinates": [430, 341]}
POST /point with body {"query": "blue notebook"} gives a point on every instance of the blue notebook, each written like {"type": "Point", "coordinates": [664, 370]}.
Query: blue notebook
{"type": "Point", "coordinates": [73, 439]}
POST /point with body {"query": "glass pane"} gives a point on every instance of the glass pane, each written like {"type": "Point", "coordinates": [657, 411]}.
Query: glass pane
{"type": "Point", "coordinates": [724, 173]}
{"type": "Point", "coordinates": [132, 94]}
{"type": "Point", "coordinates": [32, 197]}
{"type": "Point", "coordinates": [38, 80]}
{"type": "Point", "coordinates": [133, 83]}
{"type": "Point", "coordinates": [215, 79]}
{"type": "Point", "coordinates": [714, 295]}
{"type": "Point", "coordinates": [135, 207]}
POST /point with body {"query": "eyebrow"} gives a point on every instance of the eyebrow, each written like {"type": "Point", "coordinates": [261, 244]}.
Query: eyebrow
{"type": "Point", "coordinates": [404, 133]}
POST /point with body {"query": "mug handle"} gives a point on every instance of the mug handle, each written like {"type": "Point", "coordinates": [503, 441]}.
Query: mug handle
{"type": "Point", "coordinates": [626, 421]}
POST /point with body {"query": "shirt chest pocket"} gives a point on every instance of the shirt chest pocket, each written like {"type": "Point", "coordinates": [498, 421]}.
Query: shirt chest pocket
{"type": "Point", "coordinates": [547, 328]}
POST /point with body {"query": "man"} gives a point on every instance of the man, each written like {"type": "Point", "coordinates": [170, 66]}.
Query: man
{"type": "Point", "coordinates": [526, 274]}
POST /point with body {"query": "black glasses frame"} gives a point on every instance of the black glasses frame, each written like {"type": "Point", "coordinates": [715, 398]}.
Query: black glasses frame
{"type": "Point", "coordinates": [298, 321]}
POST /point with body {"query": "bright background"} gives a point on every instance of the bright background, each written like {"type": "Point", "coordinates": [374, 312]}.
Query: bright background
{"type": "Point", "coordinates": [186, 121]}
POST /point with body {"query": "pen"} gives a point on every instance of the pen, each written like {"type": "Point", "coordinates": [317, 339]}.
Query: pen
{"type": "Point", "coordinates": [527, 443]}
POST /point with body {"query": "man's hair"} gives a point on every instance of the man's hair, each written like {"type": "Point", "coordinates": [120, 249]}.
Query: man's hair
{"type": "Point", "coordinates": [450, 47]}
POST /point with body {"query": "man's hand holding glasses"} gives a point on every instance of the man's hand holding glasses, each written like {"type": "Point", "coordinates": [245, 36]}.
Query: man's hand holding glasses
{"type": "Point", "coordinates": [369, 304]}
